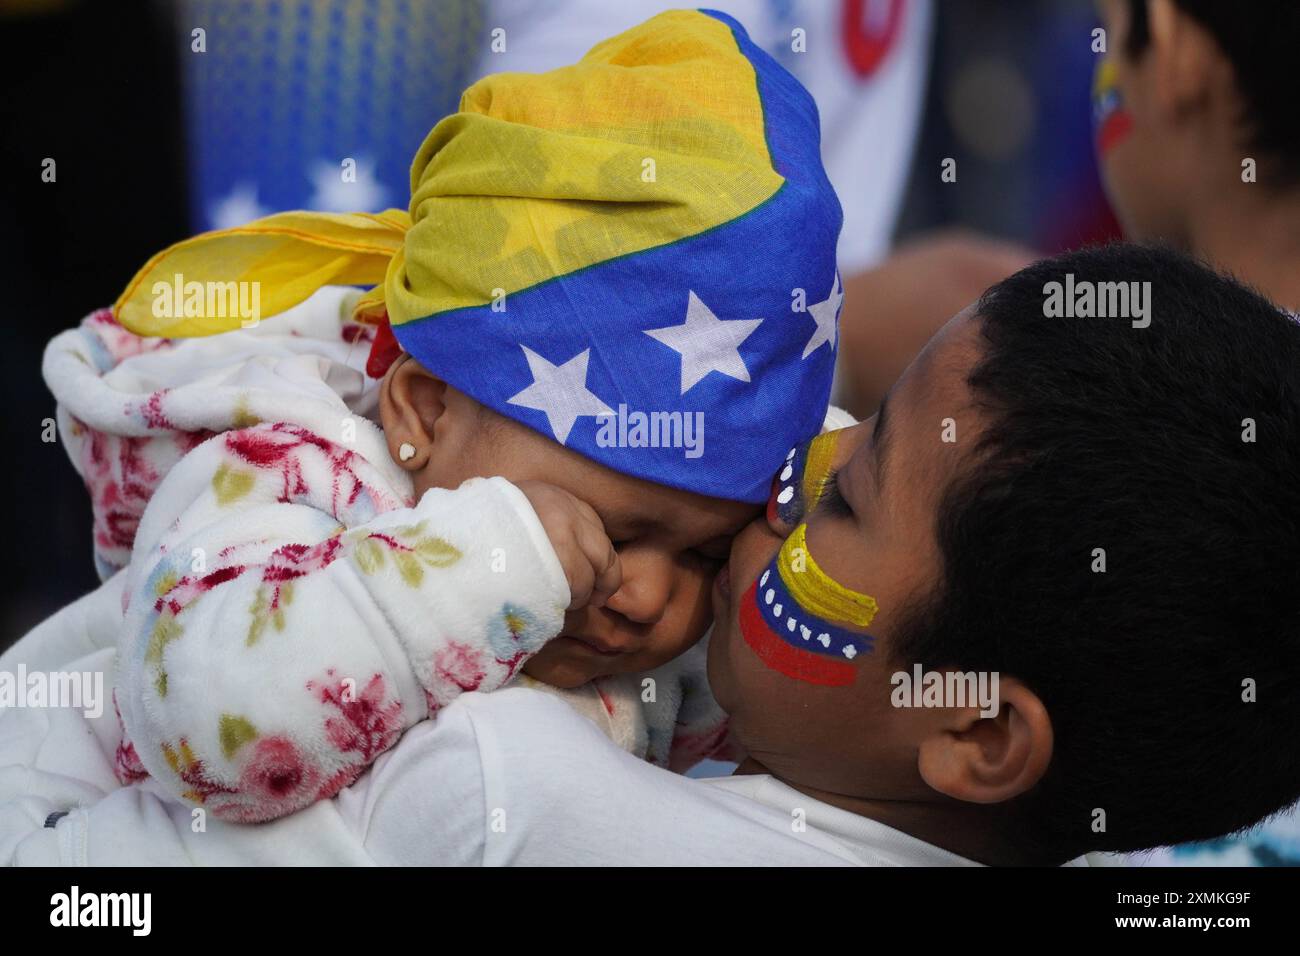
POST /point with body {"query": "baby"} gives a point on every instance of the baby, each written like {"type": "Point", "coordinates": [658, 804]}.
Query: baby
{"type": "Point", "coordinates": [598, 263]}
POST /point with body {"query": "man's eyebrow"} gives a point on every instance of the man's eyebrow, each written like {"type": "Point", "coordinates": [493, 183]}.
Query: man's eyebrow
{"type": "Point", "coordinates": [880, 439]}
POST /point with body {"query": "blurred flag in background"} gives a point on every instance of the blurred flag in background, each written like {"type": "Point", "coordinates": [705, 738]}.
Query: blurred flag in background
{"type": "Point", "coordinates": [316, 104]}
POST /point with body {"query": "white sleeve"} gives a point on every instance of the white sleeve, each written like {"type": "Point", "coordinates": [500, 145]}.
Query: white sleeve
{"type": "Point", "coordinates": [421, 804]}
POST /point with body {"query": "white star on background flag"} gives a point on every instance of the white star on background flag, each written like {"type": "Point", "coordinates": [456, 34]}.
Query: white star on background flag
{"type": "Point", "coordinates": [824, 314]}
{"type": "Point", "coordinates": [236, 208]}
{"type": "Point", "coordinates": [331, 193]}
{"type": "Point", "coordinates": [707, 343]}
{"type": "Point", "coordinates": [560, 392]}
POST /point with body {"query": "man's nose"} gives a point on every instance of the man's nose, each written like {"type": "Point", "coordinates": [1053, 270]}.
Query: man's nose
{"type": "Point", "coordinates": [647, 585]}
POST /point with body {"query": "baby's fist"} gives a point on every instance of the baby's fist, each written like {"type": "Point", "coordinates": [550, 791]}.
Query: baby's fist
{"type": "Point", "coordinates": [590, 562]}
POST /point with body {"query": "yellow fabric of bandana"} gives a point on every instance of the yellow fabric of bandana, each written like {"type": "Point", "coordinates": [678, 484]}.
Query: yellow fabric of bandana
{"type": "Point", "coordinates": [537, 176]}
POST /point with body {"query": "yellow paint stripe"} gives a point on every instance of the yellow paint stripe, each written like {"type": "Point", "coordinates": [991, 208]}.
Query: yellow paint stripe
{"type": "Point", "coordinates": [817, 467]}
{"type": "Point", "coordinates": [815, 590]}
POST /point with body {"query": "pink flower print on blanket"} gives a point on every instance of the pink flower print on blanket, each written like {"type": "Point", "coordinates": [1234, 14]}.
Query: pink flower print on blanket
{"type": "Point", "coordinates": [366, 724]}
{"type": "Point", "coordinates": [277, 780]}
{"type": "Point", "coordinates": [121, 480]}
{"type": "Point", "coordinates": [355, 492]}
{"type": "Point", "coordinates": [126, 762]}
{"type": "Point", "coordinates": [117, 342]}
{"type": "Point", "coordinates": [121, 473]}
{"type": "Point", "coordinates": [273, 774]}
{"type": "Point", "coordinates": [409, 549]}
{"type": "Point", "coordinates": [457, 669]}
{"type": "Point", "coordinates": [366, 721]}
{"type": "Point", "coordinates": [275, 592]}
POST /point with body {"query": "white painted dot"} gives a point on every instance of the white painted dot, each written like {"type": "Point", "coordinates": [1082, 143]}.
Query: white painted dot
{"type": "Point", "coordinates": [786, 472]}
{"type": "Point", "coordinates": [767, 598]}
{"type": "Point", "coordinates": [777, 610]}
{"type": "Point", "coordinates": [762, 582]}
{"type": "Point", "coordinates": [825, 639]}
{"type": "Point", "coordinates": [791, 624]}
{"type": "Point", "coordinates": [786, 494]}
{"type": "Point", "coordinates": [803, 630]}
{"type": "Point", "coordinates": [850, 651]}
{"type": "Point", "coordinates": [790, 454]}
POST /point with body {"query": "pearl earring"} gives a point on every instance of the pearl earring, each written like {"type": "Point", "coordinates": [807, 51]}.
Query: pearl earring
{"type": "Point", "coordinates": [406, 452]}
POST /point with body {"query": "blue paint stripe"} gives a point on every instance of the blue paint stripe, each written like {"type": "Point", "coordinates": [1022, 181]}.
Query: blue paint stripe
{"type": "Point", "coordinates": [839, 637]}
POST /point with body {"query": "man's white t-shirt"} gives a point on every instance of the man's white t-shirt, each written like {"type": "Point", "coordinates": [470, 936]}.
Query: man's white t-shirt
{"type": "Point", "coordinates": [515, 777]}
{"type": "Point", "coordinates": [554, 791]}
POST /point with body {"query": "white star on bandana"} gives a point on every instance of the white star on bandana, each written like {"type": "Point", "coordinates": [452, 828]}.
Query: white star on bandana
{"type": "Point", "coordinates": [706, 343]}
{"type": "Point", "coordinates": [560, 392]}
{"type": "Point", "coordinates": [824, 314]}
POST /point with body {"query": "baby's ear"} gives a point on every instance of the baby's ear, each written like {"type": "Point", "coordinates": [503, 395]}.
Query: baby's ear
{"type": "Point", "coordinates": [411, 400]}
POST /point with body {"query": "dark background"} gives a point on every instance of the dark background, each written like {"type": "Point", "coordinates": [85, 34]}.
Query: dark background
{"type": "Point", "coordinates": [91, 85]}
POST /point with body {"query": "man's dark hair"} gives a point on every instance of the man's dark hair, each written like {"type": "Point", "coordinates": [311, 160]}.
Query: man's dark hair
{"type": "Point", "coordinates": [1132, 440]}
{"type": "Point", "coordinates": [1259, 38]}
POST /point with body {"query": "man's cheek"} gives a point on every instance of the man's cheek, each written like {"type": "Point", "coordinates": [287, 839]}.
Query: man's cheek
{"type": "Point", "coordinates": [751, 550]}
{"type": "Point", "coordinates": [802, 623]}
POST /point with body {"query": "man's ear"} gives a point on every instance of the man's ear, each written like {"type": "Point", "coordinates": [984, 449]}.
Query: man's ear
{"type": "Point", "coordinates": [1191, 71]}
{"type": "Point", "coordinates": [410, 404]}
{"type": "Point", "coordinates": [989, 759]}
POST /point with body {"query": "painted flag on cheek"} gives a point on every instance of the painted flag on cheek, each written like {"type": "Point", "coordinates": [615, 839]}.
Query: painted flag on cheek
{"type": "Point", "coordinates": [1112, 121]}
{"type": "Point", "coordinates": [797, 618]}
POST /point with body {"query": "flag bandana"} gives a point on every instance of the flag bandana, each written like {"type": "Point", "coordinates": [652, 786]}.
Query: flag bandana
{"type": "Point", "coordinates": [634, 256]}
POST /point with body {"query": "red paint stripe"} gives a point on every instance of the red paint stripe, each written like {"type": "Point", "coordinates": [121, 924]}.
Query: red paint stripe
{"type": "Point", "coordinates": [1114, 129]}
{"type": "Point", "coordinates": [777, 654]}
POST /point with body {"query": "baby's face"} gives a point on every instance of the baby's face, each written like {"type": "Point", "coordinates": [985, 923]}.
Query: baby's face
{"type": "Point", "coordinates": [671, 543]}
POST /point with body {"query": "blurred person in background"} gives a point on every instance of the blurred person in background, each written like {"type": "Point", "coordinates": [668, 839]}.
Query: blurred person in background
{"type": "Point", "coordinates": [1203, 148]}
{"type": "Point", "coordinates": [1200, 147]}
